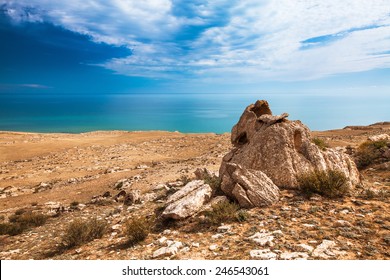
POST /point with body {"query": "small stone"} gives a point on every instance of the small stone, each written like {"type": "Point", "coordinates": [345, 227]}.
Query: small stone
{"type": "Point", "coordinates": [172, 249]}
{"type": "Point", "coordinates": [265, 254]}
{"type": "Point", "coordinates": [324, 249]}
{"type": "Point", "coordinates": [224, 228]}
{"type": "Point", "coordinates": [213, 247]}
{"type": "Point", "coordinates": [342, 223]}
{"type": "Point", "coordinates": [293, 255]}
{"type": "Point", "coordinates": [116, 227]}
{"type": "Point", "coordinates": [185, 250]}
{"type": "Point", "coordinates": [167, 231]}
{"type": "Point", "coordinates": [309, 225]}
{"type": "Point", "coordinates": [195, 244]}
{"type": "Point", "coordinates": [277, 232]}
{"type": "Point", "coordinates": [262, 238]}
{"type": "Point", "coordinates": [217, 236]}
{"type": "Point", "coordinates": [305, 248]}
{"type": "Point", "coordinates": [162, 240]}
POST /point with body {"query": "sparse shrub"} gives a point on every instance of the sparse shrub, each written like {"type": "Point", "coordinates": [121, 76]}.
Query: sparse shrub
{"type": "Point", "coordinates": [242, 215]}
{"type": "Point", "coordinates": [79, 232]}
{"type": "Point", "coordinates": [137, 229]}
{"type": "Point", "coordinates": [370, 152]}
{"type": "Point", "coordinates": [20, 212]}
{"type": "Point", "coordinates": [29, 219]}
{"type": "Point", "coordinates": [330, 183]}
{"type": "Point", "coordinates": [320, 143]}
{"type": "Point", "coordinates": [21, 222]}
{"type": "Point", "coordinates": [74, 204]}
{"type": "Point", "coordinates": [185, 179]}
{"type": "Point", "coordinates": [213, 181]}
{"type": "Point", "coordinates": [225, 212]}
{"type": "Point", "coordinates": [11, 228]}
{"type": "Point", "coordinates": [371, 194]}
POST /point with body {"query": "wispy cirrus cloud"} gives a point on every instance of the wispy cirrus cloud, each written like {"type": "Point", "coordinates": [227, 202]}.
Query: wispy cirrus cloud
{"type": "Point", "coordinates": [247, 41]}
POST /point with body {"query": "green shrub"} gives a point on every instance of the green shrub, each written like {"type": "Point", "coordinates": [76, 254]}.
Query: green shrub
{"type": "Point", "coordinates": [370, 152]}
{"type": "Point", "coordinates": [224, 212]}
{"type": "Point", "coordinates": [137, 229]}
{"type": "Point", "coordinates": [330, 183]}
{"type": "Point", "coordinates": [80, 232]}
{"type": "Point", "coordinates": [320, 143]}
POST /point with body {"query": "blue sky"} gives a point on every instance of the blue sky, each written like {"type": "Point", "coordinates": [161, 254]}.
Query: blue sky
{"type": "Point", "coordinates": [248, 46]}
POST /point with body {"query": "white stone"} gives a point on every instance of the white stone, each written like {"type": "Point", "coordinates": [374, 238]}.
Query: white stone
{"type": "Point", "coordinates": [224, 228]}
{"type": "Point", "coordinates": [306, 248]}
{"type": "Point", "coordinates": [309, 225]}
{"type": "Point", "coordinates": [342, 223]}
{"type": "Point", "coordinates": [262, 238]}
{"type": "Point", "coordinates": [265, 254]}
{"type": "Point", "coordinates": [213, 247]}
{"type": "Point", "coordinates": [277, 232]}
{"type": "Point", "coordinates": [162, 240]}
{"type": "Point", "coordinates": [324, 249]}
{"type": "Point", "coordinates": [293, 256]}
{"type": "Point", "coordinates": [217, 236]}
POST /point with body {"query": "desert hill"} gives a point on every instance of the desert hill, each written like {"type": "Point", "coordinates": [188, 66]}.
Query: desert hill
{"type": "Point", "coordinates": [78, 177]}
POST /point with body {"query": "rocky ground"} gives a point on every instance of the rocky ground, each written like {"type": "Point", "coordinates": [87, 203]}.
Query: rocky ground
{"type": "Point", "coordinates": [71, 176]}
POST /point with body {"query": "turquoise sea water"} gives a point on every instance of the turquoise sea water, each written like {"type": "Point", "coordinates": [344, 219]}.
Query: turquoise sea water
{"type": "Point", "coordinates": [180, 112]}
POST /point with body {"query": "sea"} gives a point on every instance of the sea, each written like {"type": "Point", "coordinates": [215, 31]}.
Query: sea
{"type": "Point", "coordinates": [188, 113]}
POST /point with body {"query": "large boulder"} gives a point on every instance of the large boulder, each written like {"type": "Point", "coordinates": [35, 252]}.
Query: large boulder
{"type": "Point", "coordinates": [281, 149]}
{"type": "Point", "coordinates": [188, 200]}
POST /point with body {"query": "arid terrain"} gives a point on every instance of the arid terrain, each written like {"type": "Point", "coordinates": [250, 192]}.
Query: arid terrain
{"type": "Point", "coordinates": [72, 176]}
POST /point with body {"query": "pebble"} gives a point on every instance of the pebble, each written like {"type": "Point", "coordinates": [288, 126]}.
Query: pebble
{"type": "Point", "coordinates": [305, 248]}
{"type": "Point", "coordinates": [224, 228]}
{"type": "Point", "coordinates": [342, 223]}
{"type": "Point", "coordinates": [294, 256]}
{"type": "Point", "coordinates": [262, 238]}
{"type": "Point", "coordinates": [265, 254]}
{"type": "Point", "coordinates": [162, 240]}
{"type": "Point", "coordinates": [309, 225]}
{"type": "Point", "coordinates": [217, 236]}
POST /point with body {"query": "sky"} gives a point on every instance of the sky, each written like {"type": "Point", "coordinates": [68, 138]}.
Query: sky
{"type": "Point", "coordinates": [199, 46]}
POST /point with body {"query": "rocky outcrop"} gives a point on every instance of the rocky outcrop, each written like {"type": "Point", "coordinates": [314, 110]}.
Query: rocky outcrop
{"type": "Point", "coordinates": [379, 137]}
{"type": "Point", "coordinates": [251, 188]}
{"type": "Point", "coordinates": [188, 200]}
{"type": "Point", "coordinates": [279, 148]}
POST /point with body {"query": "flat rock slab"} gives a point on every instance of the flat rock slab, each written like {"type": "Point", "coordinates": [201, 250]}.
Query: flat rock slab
{"type": "Point", "coordinates": [188, 200]}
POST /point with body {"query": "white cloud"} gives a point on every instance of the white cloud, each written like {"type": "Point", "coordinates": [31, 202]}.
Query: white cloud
{"type": "Point", "coordinates": [250, 40]}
